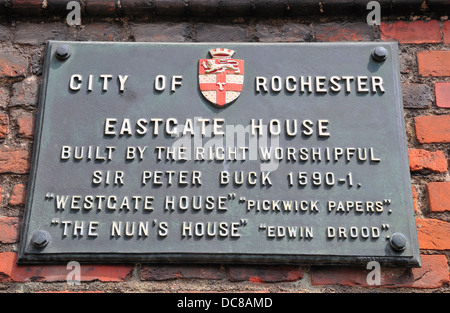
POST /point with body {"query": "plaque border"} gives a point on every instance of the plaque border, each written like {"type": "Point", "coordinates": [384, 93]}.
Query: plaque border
{"type": "Point", "coordinates": [34, 256]}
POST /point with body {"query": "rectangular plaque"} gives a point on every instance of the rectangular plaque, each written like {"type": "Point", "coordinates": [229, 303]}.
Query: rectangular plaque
{"type": "Point", "coordinates": [220, 152]}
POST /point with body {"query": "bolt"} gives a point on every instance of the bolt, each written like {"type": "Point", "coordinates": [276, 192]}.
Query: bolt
{"type": "Point", "coordinates": [379, 54]}
{"type": "Point", "coordinates": [398, 241]}
{"type": "Point", "coordinates": [40, 239]}
{"type": "Point", "coordinates": [63, 52]}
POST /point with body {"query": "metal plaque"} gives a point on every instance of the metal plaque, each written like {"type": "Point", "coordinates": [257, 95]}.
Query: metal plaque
{"type": "Point", "coordinates": [220, 152]}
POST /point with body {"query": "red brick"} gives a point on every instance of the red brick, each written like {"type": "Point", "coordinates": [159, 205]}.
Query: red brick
{"type": "Point", "coordinates": [434, 63]}
{"type": "Point", "coordinates": [343, 32]}
{"type": "Point", "coordinates": [14, 160]}
{"type": "Point", "coordinates": [433, 128]}
{"type": "Point", "coordinates": [7, 264]}
{"type": "Point", "coordinates": [12, 65]}
{"type": "Point", "coordinates": [439, 196]}
{"type": "Point", "coordinates": [442, 91]}
{"type": "Point", "coordinates": [414, 194]}
{"type": "Point", "coordinates": [412, 32]}
{"type": "Point", "coordinates": [9, 229]}
{"type": "Point", "coordinates": [168, 272]}
{"type": "Point", "coordinates": [420, 159]}
{"type": "Point", "coordinates": [432, 274]}
{"type": "Point", "coordinates": [4, 121]}
{"type": "Point", "coordinates": [26, 125]}
{"type": "Point", "coordinates": [18, 195]}
{"type": "Point", "coordinates": [12, 272]}
{"type": "Point", "coordinates": [264, 274]}
{"type": "Point", "coordinates": [446, 31]}
{"type": "Point", "coordinates": [433, 234]}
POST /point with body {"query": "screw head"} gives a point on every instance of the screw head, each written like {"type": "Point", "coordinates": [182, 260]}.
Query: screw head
{"type": "Point", "coordinates": [398, 241]}
{"type": "Point", "coordinates": [40, 239]}
{"type": "Point", "coordinates": [63, 52]}
{"type": "Point", "coordinates": [379, 54]}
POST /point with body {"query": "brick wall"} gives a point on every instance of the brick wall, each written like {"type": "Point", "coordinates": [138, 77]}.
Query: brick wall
{"type": "Point", "coordinates": [425, 70]}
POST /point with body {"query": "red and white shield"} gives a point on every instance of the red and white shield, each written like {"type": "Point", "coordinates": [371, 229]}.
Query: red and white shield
{"type": "Point", "coordinates": [221, 78]}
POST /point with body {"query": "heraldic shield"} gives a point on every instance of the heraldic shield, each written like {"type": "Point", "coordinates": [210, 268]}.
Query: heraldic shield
{"type": "Point", "coordinates": [221, 78]}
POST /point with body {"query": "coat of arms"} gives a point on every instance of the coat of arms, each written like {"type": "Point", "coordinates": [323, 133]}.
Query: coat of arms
{"type": "Point", "coordinates": [221, 78]}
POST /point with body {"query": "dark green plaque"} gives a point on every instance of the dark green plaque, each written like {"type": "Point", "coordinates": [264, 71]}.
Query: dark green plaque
{"type": "Point", "coordinates": [220, 152]}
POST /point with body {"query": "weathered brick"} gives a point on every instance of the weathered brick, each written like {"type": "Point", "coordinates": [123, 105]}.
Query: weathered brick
{"type": "Point", "coordinates": [446, 31]}
{"type": "Point", "coordinates": [435, 5]}
{"type": "Point", "coordinates": [18, 195]}
{"type": "Point", "coordinates": [442, 92]}
{"type": "Point", "coordinates": [38, 34]}
{"type": "Point", "coordinates": [433, 128]}
{"type": "Point", "coordinates": [414, 194]}
{"type": "Point", "coordinates": [439, 196]}
{"type": "Point", "coordinates": [4, 126]}
{"type": "Point", "coordinates": [101, 32]}
{"type": "Point", "coordinates": [416, 96]}
{"type": "Point", "coordinates": [36, 62]}
{"type": "Point", "coordinates": [159, 32]}
{"type": "Point", "coordinates": [264, 274]}
{"type": "Point", "coordinates": [339, 7]}
{"type": "Point", "coordinates": [9, 229]}
{"type": "Point", "coordinates": [25, 123]}
{"type": "Point", "coordinates": [434, 63]}
{"type": "Point", "coordinates": [343, 32]}
{"type": "Point", "coordinates": [411, 32]}
{"type": "Point", "coordinates": [202, 8]}
{"type": "Point", "coordinates": [220, 33]}
{"type": "Point", "coordinates": [14, 160]}
{"type": "Point", "coordinates": [266, 9]}
{"type": "Point", "coordinates": [168, 272]}
{"type": "Point", "coordinates": [145, 7]}
{"type": "Point", "coordinates": [58, 8]}
{"type": "Point", "coordinates": [3, 4]}
{"type": "Point", "coordinates": [100, 7]}
{"type": "Point", "coordinates": [4, 97]}
{"type": "Point", "coordinates": [5, 33]}
{"type": "Point", "coordinates": [424, 160]}
{"type": "Point", "coordinates": [12, 64]}
{"type": "Point", "coordinates": [433, 234]}
{"type": "Point", "coordinates": [291, 32]}
{"type": "Point", "coordinates": [25, 93]}
{"type": "Point", "coordinates": [12, 272]}
{"type": "Point", "coordinates": [235, 8]}
{"type": "Point", "coordinates": [407, 62]}
{"type": "Point", "coordinates": [71, 291]}
{"type": "Point", "coordinates": [26, 7]}
{"type": "Point", "coordinates": [432, 274]}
